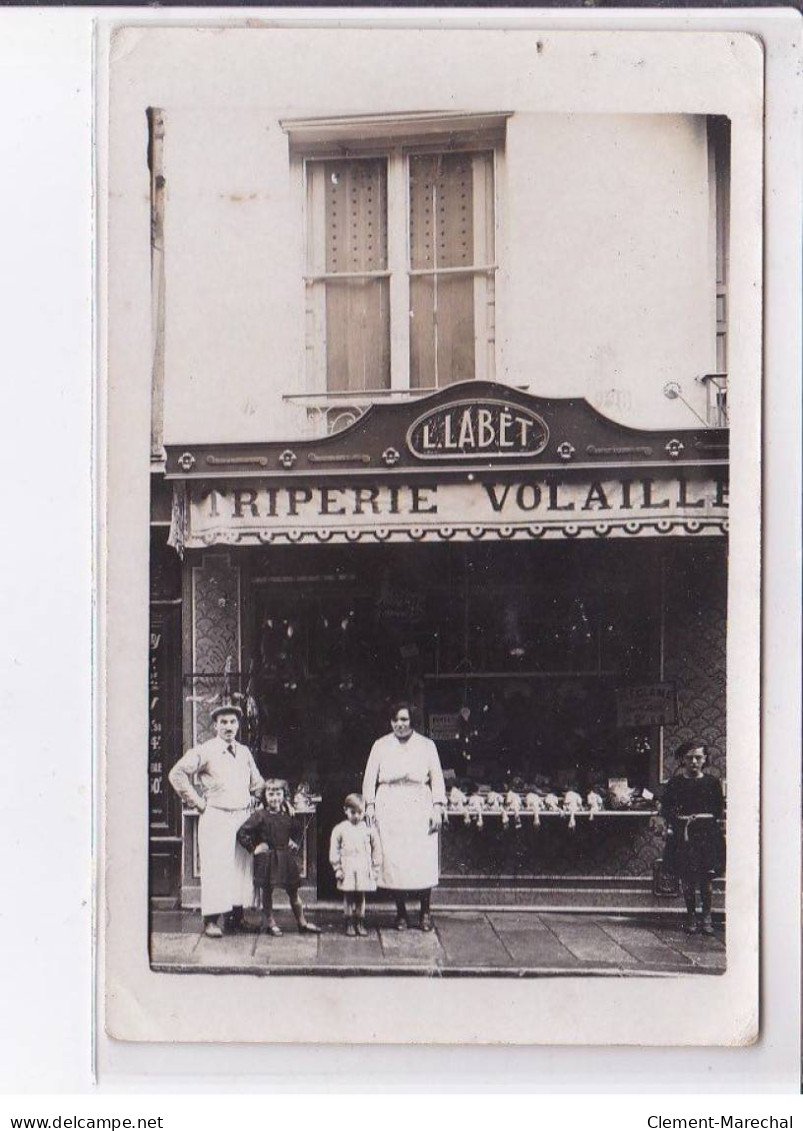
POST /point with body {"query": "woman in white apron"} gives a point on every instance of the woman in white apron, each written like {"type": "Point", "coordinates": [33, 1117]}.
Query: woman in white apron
{"type": "Point", "coordinates": [405, 795]}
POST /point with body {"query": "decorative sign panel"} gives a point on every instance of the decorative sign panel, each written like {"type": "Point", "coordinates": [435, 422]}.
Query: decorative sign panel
{"type": "Point", "coordinates": [474, 425]}
{"type": "Point", "coordinates": [253, 512]}
{"type": "Point", "coordinates": [482, 427]}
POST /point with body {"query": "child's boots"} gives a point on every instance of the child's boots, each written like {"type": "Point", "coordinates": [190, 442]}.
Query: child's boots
{"type": "Point", "coordinates": [361, 929]}
{"type": "Point", "coordinates": [351, 927]}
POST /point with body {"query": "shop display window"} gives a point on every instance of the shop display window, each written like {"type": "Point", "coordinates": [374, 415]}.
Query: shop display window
{"type": "Point", "coordinates": [512, 659]}
{"type": "Point", "coordinates": [527, 665]}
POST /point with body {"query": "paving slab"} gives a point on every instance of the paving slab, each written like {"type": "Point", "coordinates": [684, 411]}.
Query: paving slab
{"type": "Point", "coordinates": [517, 921]}
{"type": "Point", "coordinates": [713, 960]}
{"type": "Point", "coordinates": [677, 938]}
{"type": "Point", "coordinates": [231, 950]}
{"type": "Point", "coordinates": [174, 947]}
{"type": "Point", "coordinates": [588, 942]}
{"type": "Point", "coordinates": [176, 923]}
{"type": "Point", "coordinates": [703, 952]}
{"type": "Point", "coordinates": [337, 950]}
{"type": "Point", "coordinates": [645, 946]}
{"type": "Point", "coordinates": [470, 940]}
{"type": "Point", "coordinates": [530, 943]}
{"type": "Point", "coordinates": [416, 948]}
{"type": "Point", "coordinates": [287, 950]}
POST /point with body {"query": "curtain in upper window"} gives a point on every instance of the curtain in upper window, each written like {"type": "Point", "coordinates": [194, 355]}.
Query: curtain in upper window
{"type": "Point", "coordinates": [350, 281]}
{"type": "Point", "coordinates": [451, 251]}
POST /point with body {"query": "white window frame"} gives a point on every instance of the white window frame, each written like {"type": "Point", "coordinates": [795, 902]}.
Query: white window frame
{"type": "Point", "coordinates": [395, 138]}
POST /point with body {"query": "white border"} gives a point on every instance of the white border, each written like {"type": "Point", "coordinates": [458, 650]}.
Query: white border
{"type": "Point", "coordinates": [46, 78]}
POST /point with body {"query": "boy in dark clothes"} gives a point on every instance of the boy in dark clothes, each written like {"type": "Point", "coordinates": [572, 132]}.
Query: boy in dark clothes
{"type": "Point", "coordinates": [693, 805]}
{"type": "Point", "coordinates": [273, 834]}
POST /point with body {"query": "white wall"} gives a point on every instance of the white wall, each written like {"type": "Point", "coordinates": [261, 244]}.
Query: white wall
{"type": "Point", "coordinates": [610, 287]}
{"type": "Point", "coordinates": [234, 293]}
{"type": "Point", "coordinates": [606, 284]}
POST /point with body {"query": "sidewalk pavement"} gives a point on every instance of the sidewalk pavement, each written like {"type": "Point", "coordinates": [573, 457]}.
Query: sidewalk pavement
{"type": "Point", "coordinates": [496, 943]}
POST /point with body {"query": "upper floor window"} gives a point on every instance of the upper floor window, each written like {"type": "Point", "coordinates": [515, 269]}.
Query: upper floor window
{"type": "Point", "coordinates": [400, 277]}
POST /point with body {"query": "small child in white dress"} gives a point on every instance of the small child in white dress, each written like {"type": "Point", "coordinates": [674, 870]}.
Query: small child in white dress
{"type": "Point", "coordinates": [355, 853]}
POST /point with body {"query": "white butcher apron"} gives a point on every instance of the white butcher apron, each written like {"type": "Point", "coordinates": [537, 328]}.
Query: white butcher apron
{"type": "Point", "coordinates": [226, 867]}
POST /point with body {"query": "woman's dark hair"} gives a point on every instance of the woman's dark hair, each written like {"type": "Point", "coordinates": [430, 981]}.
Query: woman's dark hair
{"type": "Point", "coordinates": [686, 747]}
{"type": "Point", "coordinates": [401, 705]}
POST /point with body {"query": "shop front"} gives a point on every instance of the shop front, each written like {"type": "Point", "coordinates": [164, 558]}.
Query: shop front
{"type": "Point", "coordinates": [545, 586]}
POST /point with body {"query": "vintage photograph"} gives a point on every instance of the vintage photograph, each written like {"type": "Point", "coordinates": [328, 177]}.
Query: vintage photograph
{"type": "Point", "coordinates": [438, 669]}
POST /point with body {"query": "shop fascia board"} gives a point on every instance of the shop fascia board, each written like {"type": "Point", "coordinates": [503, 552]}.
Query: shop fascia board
{"type": "Point", "coordinates": [578, 439]}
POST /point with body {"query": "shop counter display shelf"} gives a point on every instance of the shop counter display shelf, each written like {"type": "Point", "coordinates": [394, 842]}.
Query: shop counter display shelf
{"type": "Point", "coordinates": [460, 815]}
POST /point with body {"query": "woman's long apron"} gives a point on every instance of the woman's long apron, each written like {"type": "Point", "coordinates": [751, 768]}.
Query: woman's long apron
{"type": "Point", "coordinates": [409, 850]}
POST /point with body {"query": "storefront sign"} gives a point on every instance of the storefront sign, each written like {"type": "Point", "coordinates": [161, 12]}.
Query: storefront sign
{"type": "Point", "coordinates": [163, 804]}
{"type": "Point", "coordinates": [482, 427]}
{"type": "Point", "coordinates": [398, 605]}
{"type": "Point", "coordinates": [156, 790]}
{"type": "Point", "coordinates": [475, 425]}
{"type": "Point", "coordinates": [243, 512]}
{"type": "Point", "coordinates": [650, 704]}
{"type": "Point", "coordinates": [443, 726]}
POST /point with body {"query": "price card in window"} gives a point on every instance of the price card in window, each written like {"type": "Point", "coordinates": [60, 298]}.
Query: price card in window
{"type": "Point", "coordinates": [444, 726]}
{"type": "Point", "coordinates": [648, 704]}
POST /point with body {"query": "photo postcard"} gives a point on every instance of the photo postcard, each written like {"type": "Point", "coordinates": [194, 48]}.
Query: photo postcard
{"type": "Point", "coordinates": [431, 370]}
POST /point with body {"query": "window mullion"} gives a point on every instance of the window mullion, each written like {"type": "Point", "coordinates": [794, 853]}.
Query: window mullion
{"type": "Point", "coordinates": [397, 264]}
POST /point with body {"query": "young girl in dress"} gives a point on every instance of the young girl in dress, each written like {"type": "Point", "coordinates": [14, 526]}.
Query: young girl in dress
{"type": "Point", "coordinates": [692, 805]}
{"type": "Point", "coordinates": [356, 856]}
{"type": "Point", "coordinates": [273, 834]}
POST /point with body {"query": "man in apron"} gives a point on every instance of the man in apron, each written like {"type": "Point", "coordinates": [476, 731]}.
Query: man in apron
{"type": "Point", "coordinates": [218, 778]}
